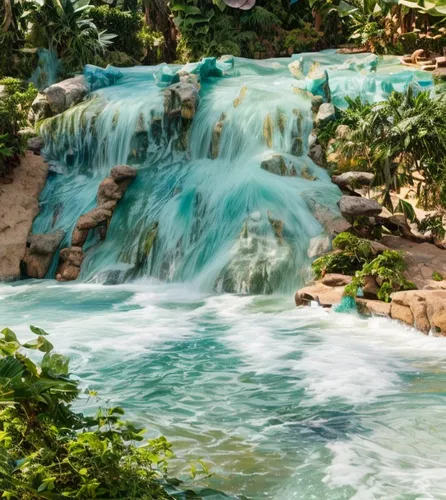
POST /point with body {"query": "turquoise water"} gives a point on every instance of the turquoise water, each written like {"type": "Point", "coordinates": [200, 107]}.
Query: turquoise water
{"type": "Point", "coordinates": [281, 402]}
{"type": "Point", "coordinates": [216, 214]}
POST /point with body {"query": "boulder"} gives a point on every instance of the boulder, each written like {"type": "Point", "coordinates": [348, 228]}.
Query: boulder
{"type": "Point", "coordinates": [325, 113]}
{"type": "Point", "coordinates": [40, 253]}
{"type": "Point", "coordinates": [79, 237]}
{"type": "Point", "coordinates": [275, 165]}
{"type": "Point", "coordinates": [62, 95]}
{"type": "Point", "coordinates": [70, 261]}
{"type": "Point", "coordinates": [354, 206]}
{"type": "Point", "coordinates": [216, 136]}
{"type": "Point", "coordinates": [324, 295]}
{"type": "Point", "coordinates": [181, 99]}
{"type": "Point", "coordinates": [35, 144]}
{"type": "Point", "coordinates": [18, 206]}
{"type": "Point", "coordinates": [108, 190]}
{"type": "Point", "coordinates": [369, 307]}
{"type": "Point", "coordinates": [333, 279]}
{"type": "Point", "coordinates": [318, 245]}
{"type": "Point", "coordinates": [423, 309]}
{"type": "Point", "coordinates": [439, 74]}
{"type": "Point", "coordinates": [317, 154]}
{"type": "Point", "coordinates": [40, 108]}
{"type": "Point", "coordinates": [316, 103]}
{"type": "Point", "coordinates": [94, 218]}
{"type": "Point", "coordinates": [370, 288]}
{"type": "Point", "coordinates": [353, 180]}
{"type": "Point", "coordinates": [123, 172]}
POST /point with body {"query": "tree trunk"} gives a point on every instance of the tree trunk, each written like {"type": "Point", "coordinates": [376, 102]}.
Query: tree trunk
{"type": "Point", "coordinates": [158, 17]}
{"type": "Point", "coordinates": [8, 16]}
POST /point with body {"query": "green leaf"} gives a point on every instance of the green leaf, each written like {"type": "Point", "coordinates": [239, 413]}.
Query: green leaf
{"type": "Point", "coordinates": [9, 335]}
{"type": "Point", "coordinates": [41, 344]}
{"type": "Point", "coordinates": [37, 330]}
{"type": "Point", "coordinates": [83, 472]}
{"type": "Point", "coordinates": [10, 368]}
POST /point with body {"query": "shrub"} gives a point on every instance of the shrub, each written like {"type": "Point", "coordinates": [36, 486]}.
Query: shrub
{"type": "Point", "coordinates": [125, 25]}
{"type": "Point", "coordinates": [349, 256]}
{"type": "Point", "coordinates": [14, 106]}
{"type": "Point", "coordinates": [49, 451]}
{"type": "Point", "coordinates": [388, 271]}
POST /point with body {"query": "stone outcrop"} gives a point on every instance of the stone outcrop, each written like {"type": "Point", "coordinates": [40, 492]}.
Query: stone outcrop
{"type": "Point", "coordinates": [58, 97]}
{"type": "Point", "coordinates": [19, 205]}
{"type": "Point", "coordinates": [62, 95]}
{"type": "Point", "coordinates": [423, 309]}
{"type": "Point", "coordinates": [40, 252]}
{"type": "Point", "coordinates": [355, 206]}
{"type": "Point", "coordinates": [352, 180]}
{"type": "Point", "coordinates": [181, 99]}
{"type": "Point", "coordinates": [324, 295]}
{"type": "Point", "coordinates": [325, 113]}
{"type": "Point", "coordinates": [275, 165]}
{"type": "Point", "coordinates": [35, 144]}
{"type": "Point", "coordinates": [110, 191]}
{"type": "Point", "coordinates": [70, 261]}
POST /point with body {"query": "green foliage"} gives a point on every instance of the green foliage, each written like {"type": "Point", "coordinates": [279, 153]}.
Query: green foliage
{"type": "Point", "coordinates": [49, 451]}
{"type": "Point", "coordinates": [303, 39]}
{"type": "Point", "coordinates": [434, 224]}
{"type": "Point", "coordinates": [398, 140]}
{"type": "Point", "coordinates": [125, 25]}
{"type": "Point", "coordinates": [65, 26]}
{"type": "Point", "coordinates": [436, 276]}
{"type": "Point", "coordinates": [349, 256]}
{"type": "Point", "coordinates": [14, 106]}
{"type": "Point", "coordinates": [388, 271]}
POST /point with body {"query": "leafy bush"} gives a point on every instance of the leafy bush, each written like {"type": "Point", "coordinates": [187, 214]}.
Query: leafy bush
{"type": "Point", "coordinates": [304, 39]}
{"type": "Point", "coordinates": [65, 26]}
{"type": "Point", "coordinates": [388, 271]}
{"type": "Point", "coordinates": [49, 451]}
{"type": "Point", "coordinates": [125, 25]}
{"type": "Point", "coordinates": [434, 224]}
{"type": "Point", "coordinates": [14, 106]}
{"type": "Point", "coordinates": [350, 254]}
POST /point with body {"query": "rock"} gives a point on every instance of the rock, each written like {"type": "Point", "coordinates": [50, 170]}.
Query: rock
{"type": "Point", "coordinates": [333, 279]}
{"type": "Point", "coordinates": [439, 74]}
{"type": "Point", "coordinates": [108, 190]}
{"type": "Point", "coordinates": [268, 130]}
{"type": "Point", "coordinates": [422, 259]}
{"type": "Point", "coordinates": [35, 144]}
{"type": "Point", "coordinates": [373, 307]}
{"type": "Point", "coordinates": [415, 55]}
{"type": "Point", "coordinates": [94, 218]}
{"type": "Point", "coordinates": [40, 253]}
{"type": "Point", "coordinates": [324, 295]}
{"type": "Point", "coordinates": [123, 172]}
{"type": "Point", "coordinates": [70, 261]}
{"type": "Point", "coordinates": [353, 180]}
{"type": "Point", "coordinates": [370, 288]}
{"type": "Point", "coordinates": [317, 154]}
{"type": "Point", "coordinates": [343, 132]}
{"type": "Point", "coordinates": [316, 103]}
{"type": "Point", "coordinates": [326, 113]}
{"type": "Point", "coordinates": [61, 96]}
{"type": "Point", "coordinates": [318, 246]}
{"type": "Point", "coordinates": [275, 165]}
{"type": "Point", "coordinates": [216, 136]}
{"type": "Point", "coordinates": [40, 108]}
{"type": "Point", "coordinates": [424, 309]}
{"type": "Point", "coordinates": [353, 206]}
{"type": "Point", "coordinates": [18, 206]}
{"type": "Point", "coordinates": [79, 237]}
{"type": "Point", "coordinates": [295, 68]}
{"type": "Point", "coordinates": [181, 99]}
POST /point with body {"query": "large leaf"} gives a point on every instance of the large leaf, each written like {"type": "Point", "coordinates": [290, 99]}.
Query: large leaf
{"type": "Point", "coordinates": [11, 367]}
{"type": "Point", "coordinates": [41, 344]}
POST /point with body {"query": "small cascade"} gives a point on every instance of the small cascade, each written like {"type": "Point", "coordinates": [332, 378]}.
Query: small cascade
{"type": "Point", "coordinates": [225, 195]}
{"type": "Point", "coordinates": [48, 67]}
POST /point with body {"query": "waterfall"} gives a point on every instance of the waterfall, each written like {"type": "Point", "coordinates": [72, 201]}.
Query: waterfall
{"type": "Point", "coordinates": [225, 197]}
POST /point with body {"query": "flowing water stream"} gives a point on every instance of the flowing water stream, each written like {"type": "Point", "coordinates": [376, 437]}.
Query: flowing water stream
{"type": "Point", "coordinates": [281, 402]}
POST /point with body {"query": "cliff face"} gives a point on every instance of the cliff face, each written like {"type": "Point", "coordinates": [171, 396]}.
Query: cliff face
{"type": "Point", "coordinates": [19, 204]}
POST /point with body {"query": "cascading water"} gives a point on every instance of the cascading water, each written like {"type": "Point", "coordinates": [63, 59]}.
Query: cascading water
{"type": "Point", "coordinates": [215, 216]}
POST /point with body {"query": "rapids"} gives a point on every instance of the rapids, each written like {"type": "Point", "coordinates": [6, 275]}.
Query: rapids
{"type": "Point", "coordinates": [282, 403]}
{"type": "Point", "coordinates": [221, 221]}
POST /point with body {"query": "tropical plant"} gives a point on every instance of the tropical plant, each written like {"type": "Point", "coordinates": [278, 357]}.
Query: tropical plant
{"type": "Point", "coordinates": [64, 26]}
{"type": "Point", "coordinates": [49, 451]}
{"type": "Point", "coordinates": [387, 269]}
